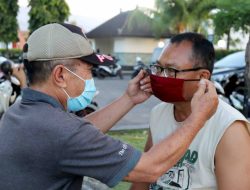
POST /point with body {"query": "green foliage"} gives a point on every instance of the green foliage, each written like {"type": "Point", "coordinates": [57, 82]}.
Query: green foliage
{"type": "Point", "coordinates": [47, 11]}
{"type": "Point", "coordinates": [136, 138]}
{"type": "Point", "coordinates": [9, 26]}
{"type": "Point", "coordinates": [137, 17]}
{"type": "Point", "coordinates": [183, 15]}
{"type": "Point", "coordinates": [13, 54]}
{"type": "Point", "coordinates": [232, 14]}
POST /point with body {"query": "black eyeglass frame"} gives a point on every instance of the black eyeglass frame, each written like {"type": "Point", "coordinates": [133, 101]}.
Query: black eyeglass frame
{"type": "Point", "coordinates": [175, 70]}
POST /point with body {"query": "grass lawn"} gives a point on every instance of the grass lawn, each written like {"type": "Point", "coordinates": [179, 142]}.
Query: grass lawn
{"type": "Point", "coordinates": [136, 138]}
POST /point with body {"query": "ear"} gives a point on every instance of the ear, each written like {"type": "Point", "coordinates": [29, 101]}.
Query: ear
{"type": "Point", "coordinates": [59, 75]}
{"type": "Point", "coordinates": [205, 74]}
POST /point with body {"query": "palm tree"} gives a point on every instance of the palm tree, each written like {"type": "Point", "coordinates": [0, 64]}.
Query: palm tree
{"type": "Point", "coordinates": [183, 15]}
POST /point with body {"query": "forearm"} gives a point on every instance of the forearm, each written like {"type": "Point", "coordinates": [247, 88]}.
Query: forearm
{"type": "Point", "coordinates": [140, 186]}
{"type": "Point", "coordinates": [161, 157]}
{"type": "Point", "coordinates": [107, 117]}
{"type": "Point", "coordinates": [169, 151]}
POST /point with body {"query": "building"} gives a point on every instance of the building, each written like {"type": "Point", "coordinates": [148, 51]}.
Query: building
{"type": "Point", "coordinates": [117, 37]}
{"type": "Point", "coordinates": [22, 36]}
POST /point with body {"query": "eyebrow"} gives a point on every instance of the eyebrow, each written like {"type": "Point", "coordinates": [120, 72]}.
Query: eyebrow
{"type": "Point", "coordinates": [168, 64]}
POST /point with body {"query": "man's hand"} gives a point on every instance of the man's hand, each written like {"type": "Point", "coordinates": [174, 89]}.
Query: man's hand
{"type": "Point", "coordinates": [18, 72]}
{"type": "Point", "coordinates": [205, 101]}
{"type": "Point", "coordinates": [139, 89]}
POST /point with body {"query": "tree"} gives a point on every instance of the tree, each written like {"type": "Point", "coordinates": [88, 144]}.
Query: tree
{"type": "Point", "coordinates": [232, 15]}
{"type": "Point", "coordinates": [183, 15]}
{"type": "Point", "coordinates": [47, 11]}
{"type": "Point", "coordinates": [9, 26]}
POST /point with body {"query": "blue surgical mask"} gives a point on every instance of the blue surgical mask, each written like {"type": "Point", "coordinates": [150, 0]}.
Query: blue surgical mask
{"type": "Point", "coordinates": [82, 101]}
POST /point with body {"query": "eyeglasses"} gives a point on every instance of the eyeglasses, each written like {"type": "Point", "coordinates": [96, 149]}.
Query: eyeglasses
{"type": "Point", "coordinates": [168, 71]}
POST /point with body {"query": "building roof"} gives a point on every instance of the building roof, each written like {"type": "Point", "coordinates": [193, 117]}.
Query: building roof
{"type": "Point", "coordinates": [118, 26]}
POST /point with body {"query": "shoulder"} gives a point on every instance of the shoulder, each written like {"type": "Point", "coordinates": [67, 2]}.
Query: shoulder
{"type": "Point", "coordinates": [219, 124]}
{"type": "Point", "coordinates": [161, 107]}
{"type": "Point", "coordinates": [236, 133]}
{"type": "Point", "coordinates": [226, 109]}
{"type": "Point", "coordinates": [234, 144]}
{"type": "Point", "coordinates": [57, 122]}
{"type": "Point", "coordinates": [70, 123]}
{"type": "Point", "coordinates": [232, 164]}
{"type": "Point", "coordinates": [225, 115]}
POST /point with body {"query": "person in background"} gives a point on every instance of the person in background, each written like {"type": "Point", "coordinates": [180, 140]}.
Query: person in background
{"type": "Point", "coordinates": [12, 80]}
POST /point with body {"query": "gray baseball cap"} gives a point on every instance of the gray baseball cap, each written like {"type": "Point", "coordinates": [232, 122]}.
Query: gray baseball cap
{"type": "Point", "coordinates": [61, 41]}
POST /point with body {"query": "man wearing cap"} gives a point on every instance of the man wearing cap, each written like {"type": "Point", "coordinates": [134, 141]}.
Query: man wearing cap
{"type": "Point", "coordinates": [44, 146]}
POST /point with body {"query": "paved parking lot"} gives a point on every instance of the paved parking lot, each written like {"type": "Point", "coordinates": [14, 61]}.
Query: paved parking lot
{"type": "Point", "coordinates": [112, 88]}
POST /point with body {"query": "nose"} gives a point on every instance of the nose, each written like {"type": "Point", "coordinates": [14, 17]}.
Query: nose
{"type": "Point", "coordinates": [163, 74]}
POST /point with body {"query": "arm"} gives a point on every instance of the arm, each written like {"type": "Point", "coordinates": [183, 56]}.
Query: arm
{"type": "Point", "coordinates": [139, 90]}
{"type": "Point", "coordinates": [161, 157]}
{"type": "Point", "coordinates": [143, 186]}
{"type": "Point", "coordinates": [232, 158]}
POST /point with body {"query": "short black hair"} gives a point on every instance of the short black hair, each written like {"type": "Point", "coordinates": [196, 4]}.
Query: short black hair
{"type": "Point", "coordinates": [39, 71]}
{"type": "Point", "coordinates": [203, 50]}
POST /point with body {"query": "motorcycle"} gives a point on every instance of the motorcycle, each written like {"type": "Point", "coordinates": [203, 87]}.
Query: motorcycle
{"type": "Point", "coordinates": [138, 67]}
{"type": "Point", "coordinates": [113, 70]}
{"type": "Point", "coordinates": [233, 93]}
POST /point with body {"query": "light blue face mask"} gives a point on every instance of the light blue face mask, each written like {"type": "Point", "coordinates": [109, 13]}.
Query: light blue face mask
{"type": "Point", "coordinates": [82, 101]}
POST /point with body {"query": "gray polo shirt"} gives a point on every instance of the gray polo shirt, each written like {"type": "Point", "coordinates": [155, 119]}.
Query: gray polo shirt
{"type": "Point", "coordinates": [44, 147]}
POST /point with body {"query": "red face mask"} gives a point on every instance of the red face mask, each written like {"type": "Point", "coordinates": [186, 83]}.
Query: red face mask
{"type": "Point", "coordinates": [168, 89]}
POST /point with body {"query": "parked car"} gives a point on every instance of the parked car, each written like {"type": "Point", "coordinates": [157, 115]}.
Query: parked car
{"type": "Point", "coordinates": [229, 73]}
{"type": "Point", "coordinates": [231, 64]}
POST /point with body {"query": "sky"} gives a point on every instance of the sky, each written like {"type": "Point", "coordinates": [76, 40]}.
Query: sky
{"type": "Point", "coordinates": [88, 14]}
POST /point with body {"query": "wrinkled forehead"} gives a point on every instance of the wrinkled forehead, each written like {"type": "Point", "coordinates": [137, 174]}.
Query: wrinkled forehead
{"type": "Point", "coordinates": [177, 54]}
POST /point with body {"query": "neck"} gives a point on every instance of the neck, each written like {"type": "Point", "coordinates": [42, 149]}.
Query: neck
{"type": "Point", "coordinates": [182, 111]}
{"type": "Point", "coordinates": [51, 91]}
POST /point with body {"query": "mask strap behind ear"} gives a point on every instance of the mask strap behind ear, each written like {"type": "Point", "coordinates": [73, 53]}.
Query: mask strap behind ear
{"type": "Point", "coordinates": [74, 73]}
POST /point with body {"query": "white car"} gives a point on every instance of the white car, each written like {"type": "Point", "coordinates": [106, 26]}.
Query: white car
{"type": "Point", "coordinates": [229, 65]}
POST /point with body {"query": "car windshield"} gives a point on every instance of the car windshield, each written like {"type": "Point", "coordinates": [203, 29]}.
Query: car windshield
{"type": "Point", "coordinates": [233, 60]}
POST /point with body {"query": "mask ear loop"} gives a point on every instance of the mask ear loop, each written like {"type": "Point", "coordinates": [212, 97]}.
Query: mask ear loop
{"type": "Point", "coordinates": [66, 93]}
{"type": "Point", "coordinates": [74, 74]}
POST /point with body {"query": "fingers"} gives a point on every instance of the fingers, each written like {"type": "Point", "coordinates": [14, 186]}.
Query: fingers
{"type": "Point", "coordinates": [202, 88]}
{"type": "Point", "coordinates": [138, 77]}
{"type": "Point", "coordinates": [145, 80]}
{"type": "Point", "coordinates": [205, 100]}
{"type": "Point", "coordinates": [145, 84]}
{"type": "Point", "coordinates": [146, 88]}
{"type": "Point", "coordinates": [211, 89]}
